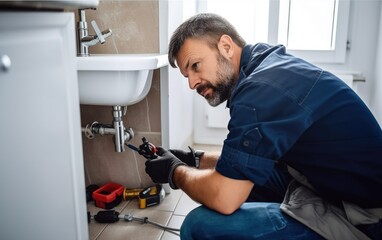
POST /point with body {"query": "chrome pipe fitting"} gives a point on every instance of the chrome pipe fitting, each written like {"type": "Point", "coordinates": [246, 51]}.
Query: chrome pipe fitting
{"type": "Point", "coordinates": [121, 134]}
{"type": "Point", "coordinates": [119, 129]}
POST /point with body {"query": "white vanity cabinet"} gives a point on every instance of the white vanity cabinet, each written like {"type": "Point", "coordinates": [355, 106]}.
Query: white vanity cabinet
{"type": "Point", "coordinates": [41, 163]}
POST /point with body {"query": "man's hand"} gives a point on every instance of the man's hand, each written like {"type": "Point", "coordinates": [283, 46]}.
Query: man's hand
{"type": "Point", "coordinates": [186, 157]}
{"type": "Point", "coordinates": [161, 169]}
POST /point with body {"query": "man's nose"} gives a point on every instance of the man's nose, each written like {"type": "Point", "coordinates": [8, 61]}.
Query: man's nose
{"type": "Point", "coordinates": [193, 80]}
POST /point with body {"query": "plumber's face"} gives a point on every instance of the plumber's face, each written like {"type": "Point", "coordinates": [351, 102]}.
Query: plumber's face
{"type": "Point", "coordinates": [207, 70]}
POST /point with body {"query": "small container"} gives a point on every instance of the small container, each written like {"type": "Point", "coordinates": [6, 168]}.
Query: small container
{"type": "Point", "coordinates": [108, 196]}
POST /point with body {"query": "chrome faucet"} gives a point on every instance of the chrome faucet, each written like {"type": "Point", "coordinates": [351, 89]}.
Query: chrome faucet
{"type": "Point", "coordinates": [86, 40]}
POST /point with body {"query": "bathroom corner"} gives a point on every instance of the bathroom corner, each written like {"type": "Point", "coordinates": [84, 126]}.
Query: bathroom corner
{"type": "Point", "coordinates": [135, 27]}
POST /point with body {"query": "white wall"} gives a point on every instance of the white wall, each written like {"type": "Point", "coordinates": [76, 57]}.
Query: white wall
{"type": "Point", "coordinates": [376, 93]}
{"type": "Point", "coordinates": [363, 37]}
{"type": "Point", "coordinates": [176, 97]}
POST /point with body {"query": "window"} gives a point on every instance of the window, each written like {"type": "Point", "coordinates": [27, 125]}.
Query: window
{"type": "Point", "coordinates": [315, 30]}
{"type": "Point", "coordinates": [250, 17]}
{"type": "Point", "coordinates": [307, 24]}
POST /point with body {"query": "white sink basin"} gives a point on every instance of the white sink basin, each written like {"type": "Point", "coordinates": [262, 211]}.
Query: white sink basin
{"type": "Point", "coordinates": [116, 79]}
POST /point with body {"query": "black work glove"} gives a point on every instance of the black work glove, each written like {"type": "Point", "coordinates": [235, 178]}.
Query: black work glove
{"type": "Point", "coordinates": [161, 169]}
{"type": "Point", "coordinates": [186, 157]}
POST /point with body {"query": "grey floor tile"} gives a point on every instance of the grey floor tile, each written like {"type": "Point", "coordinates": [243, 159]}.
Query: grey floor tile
{"type": "Point", "coordinates": [95, 229]}
{"type": "Point", "coordinates": [185, 205]}
{"type": "Point", "coordinates": [175, 222]}
{"type": "Point", "coordinates": [171, 212]}
{"type": "Point", "coordinates": [123, 230]}
{"type": "Point", "coordinates": [170, 201]}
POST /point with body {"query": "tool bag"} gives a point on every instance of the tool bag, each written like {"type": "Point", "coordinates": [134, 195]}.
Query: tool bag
{"type": "Point", "coordinates": [303, 204]}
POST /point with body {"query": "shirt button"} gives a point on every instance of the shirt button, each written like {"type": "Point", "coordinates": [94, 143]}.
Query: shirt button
{"type": "Point", "coordinates": [246, 143]}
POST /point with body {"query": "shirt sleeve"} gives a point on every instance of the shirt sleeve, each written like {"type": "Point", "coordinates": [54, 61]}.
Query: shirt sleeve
{"type": "Point", "coordinates": [240, 165]}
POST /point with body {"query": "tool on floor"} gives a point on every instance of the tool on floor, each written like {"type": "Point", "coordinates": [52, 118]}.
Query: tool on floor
{"type": "Point", "coordinates": [130, 193]}
{"type": "Point", "coordinates": [112, 216]}
{"type": "Point", "coordinates": [108, 196]}
{"type": "Point", "coordinates": [146, 149]}
{"type": "Point", "coordinates": [147, 197]}
{"type": "Point", "coordinates": [151, 196]}
{"type": "Point", "coordinates": [89, 192]}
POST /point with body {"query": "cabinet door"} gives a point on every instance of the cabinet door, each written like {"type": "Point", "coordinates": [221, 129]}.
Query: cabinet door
{"type": "Point", "coordinates": [41, 167]}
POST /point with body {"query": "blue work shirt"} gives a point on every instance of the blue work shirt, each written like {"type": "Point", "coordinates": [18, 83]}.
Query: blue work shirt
{"type": "Point", "coordinates": [286, 110]}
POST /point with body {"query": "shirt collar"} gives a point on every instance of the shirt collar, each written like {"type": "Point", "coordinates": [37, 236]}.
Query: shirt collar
{"type": "Point", "coordinates": [244, 60]}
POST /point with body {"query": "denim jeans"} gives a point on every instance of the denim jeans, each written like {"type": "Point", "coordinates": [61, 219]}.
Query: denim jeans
{"type": "Point", "coordinates": [257, 220]}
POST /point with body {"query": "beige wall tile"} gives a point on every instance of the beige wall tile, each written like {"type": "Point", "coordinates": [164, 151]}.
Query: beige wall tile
{"type": "Point", "coordinates": [134, 24]}
{"type": "Point", "coordinates": [154, 104]}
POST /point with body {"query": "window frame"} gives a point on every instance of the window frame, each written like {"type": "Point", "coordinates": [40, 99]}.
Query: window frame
{"type": "Point", "coordinates": [337, 55]}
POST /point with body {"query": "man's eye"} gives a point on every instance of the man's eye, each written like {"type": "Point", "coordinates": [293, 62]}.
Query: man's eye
{"type": "Point", "coordinates": [195, 66]}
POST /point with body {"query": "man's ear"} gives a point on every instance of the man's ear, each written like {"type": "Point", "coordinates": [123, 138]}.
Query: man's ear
{"type": "Point", "coordinates": [226, 46]}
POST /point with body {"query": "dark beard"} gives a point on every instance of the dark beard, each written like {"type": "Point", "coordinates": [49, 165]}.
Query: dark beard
{"type": "Point", "coordinates": [223, 89]}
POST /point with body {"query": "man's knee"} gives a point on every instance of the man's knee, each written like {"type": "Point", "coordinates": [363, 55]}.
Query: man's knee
{"type": "Point", "coordinates": [195, 223]}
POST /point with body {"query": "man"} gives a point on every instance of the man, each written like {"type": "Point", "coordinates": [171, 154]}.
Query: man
{"type": "Point", "coordinates": [296, 133]}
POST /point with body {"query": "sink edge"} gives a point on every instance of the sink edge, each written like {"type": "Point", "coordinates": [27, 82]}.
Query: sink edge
{"type": "Point", "coordinates": [121, 62]}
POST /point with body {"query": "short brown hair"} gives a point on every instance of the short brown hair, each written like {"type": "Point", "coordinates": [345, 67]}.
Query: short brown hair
{"type": "Point", "coordinates": [207, 26]}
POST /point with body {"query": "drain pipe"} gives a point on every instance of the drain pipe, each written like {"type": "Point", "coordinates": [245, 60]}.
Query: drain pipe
{"type": "Point", "coordinates": [119, 129]}
{"type": "Point", "coordinates": [121, 135]}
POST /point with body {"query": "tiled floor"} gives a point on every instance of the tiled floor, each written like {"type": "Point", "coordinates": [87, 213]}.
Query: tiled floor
{"type": "Point", "coordinates": [171, 212]}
